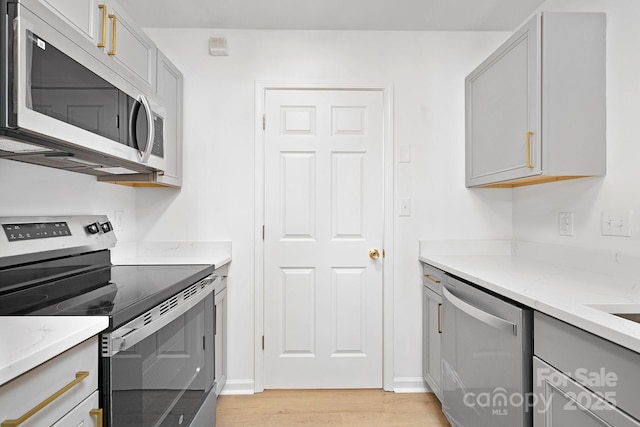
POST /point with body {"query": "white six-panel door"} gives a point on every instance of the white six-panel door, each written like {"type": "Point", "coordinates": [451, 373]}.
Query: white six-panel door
{"type": "Point", "coordinates": [323, 215]}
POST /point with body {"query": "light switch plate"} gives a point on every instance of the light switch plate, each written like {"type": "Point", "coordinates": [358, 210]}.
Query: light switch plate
{"type": "Point", "coordinates": [404, 156]}
{"type": "Point", "coordinates": [405, 207]}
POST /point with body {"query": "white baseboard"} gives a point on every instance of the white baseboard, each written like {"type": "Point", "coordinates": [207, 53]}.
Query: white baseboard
{"type": "Point", "coordinates": [400, 385]}
{"type": "Point", "coordinates": [238, 387]}
{"type": "Point", "coordinates": [410, 385]}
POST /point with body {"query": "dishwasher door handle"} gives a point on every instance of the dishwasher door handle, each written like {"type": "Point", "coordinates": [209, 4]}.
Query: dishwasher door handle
{"type": "Point", "coordinates": [491, 320]}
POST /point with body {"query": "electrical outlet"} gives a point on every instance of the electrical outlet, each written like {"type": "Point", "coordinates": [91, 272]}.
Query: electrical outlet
{"type": "Point", "coordinates": [565, 223]}
{"type": "Point", "coordinates": [616, 223]}
{"type": "Point", "coordinates": [118, 221]}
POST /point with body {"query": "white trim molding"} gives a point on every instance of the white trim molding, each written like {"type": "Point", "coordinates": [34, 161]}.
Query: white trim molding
{"type": "Point", "coordinates": [238, 387]}
{"type": "Point", "coordinates": [410, 385]}
{"type": "Point", "coordinates": [388, 301]}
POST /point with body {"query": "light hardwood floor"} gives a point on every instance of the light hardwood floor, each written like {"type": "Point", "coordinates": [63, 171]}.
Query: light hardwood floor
{"type": "Point", "coordinates": [283, 408]}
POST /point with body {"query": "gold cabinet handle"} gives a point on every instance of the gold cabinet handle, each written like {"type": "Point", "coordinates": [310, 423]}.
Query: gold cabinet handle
{"type": "Point", "coordinates": [98, 414]}
{"type": "Point", "coordinates": [431, 279]}
{"type": "Point", "coordinates": [113, 33]}
{"type": "Point", "coordinates": [439, 323]}
{"type": "Point", "coordinates": [15, 423]}
{"type": "Point", "coordinates": [529, 164]}
{"type": "Point", "coordinates": [103, 39]}
{"type": "Point", "coordinates": [374, 254]}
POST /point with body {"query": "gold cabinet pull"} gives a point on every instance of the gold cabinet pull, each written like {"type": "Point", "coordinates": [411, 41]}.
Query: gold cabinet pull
{"type": "Point", "coordinates": [98, 414]}
{"type": "Point", "coordinates": [439, 323]}
{"type": "Point", "coordinates": [431, 279]}
{"type": "Point", "coordinates": [529, 164]}
{"type": "Point", "coordinates": [15, 423]}
{"type": "Point", "coordinates": [113, 34]}
{"type": "Point", "coordinates": [103, 39]}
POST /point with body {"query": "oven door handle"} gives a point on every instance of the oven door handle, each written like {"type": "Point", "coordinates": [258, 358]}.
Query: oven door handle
{"type": "Point", "coordinates": [126, 337]}
{"type": "Point", "coordinates": [487, 318]}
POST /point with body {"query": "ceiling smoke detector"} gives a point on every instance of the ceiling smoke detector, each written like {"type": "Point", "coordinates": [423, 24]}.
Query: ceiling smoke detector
{"type": "Point", "coordinates": [218, 46]}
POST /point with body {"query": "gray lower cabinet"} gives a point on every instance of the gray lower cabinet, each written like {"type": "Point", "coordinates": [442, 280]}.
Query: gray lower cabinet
{"type": "Point", "coordinates": [562, 402]}
{"type": "Point", "coordinates": [68, 382]}
{"type": "Point", "coordinates": [220, 301]}
{"type": "Point", "coordinates": [431, 329]}
{"type": "Point", "coordinates": [582, 380]}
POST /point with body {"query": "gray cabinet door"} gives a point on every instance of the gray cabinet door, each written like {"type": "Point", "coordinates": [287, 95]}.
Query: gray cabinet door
{"type": "Point", "coordinates": [561, 402]}
{"type": "Point", "coordinates": [536, 108]}
{"type": "Point", "coordinates": [501, 110]}
{"type": "Point", "coordinates": [431, 333]}
{"type": "Point", "coordinates": [170, 90]}
{"type": "Point", "coordinates": [129, 46]}
{"type": "Point", "coordinates": [84, 16]}
{"type": "Point", "coordinates": [221, 339]}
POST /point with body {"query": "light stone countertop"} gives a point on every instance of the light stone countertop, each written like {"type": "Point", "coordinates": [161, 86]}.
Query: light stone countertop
{"type": "Point", "coordinates": [28, 341]}
{"type": "Point", "coordinates": [161, 252]}
{"type": "Point", "coordinates": [563, 282]}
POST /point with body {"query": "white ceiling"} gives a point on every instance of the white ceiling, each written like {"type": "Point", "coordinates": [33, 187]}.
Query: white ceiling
{"type": "Point", "coordinates": [427, 15]}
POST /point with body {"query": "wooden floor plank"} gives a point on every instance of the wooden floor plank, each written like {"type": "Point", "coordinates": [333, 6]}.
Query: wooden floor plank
{"type": "Point", "coordinates": [284, 408]}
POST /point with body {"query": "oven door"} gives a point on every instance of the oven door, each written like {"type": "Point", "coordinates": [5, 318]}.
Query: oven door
{"type": "Point", "coordinates": [162, 373]}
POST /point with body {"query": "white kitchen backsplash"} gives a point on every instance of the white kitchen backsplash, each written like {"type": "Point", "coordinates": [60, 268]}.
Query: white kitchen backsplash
{"type": "Point", "coordinates": [615, 265]}
{"type": "Point", "coordinates": [172, 252]}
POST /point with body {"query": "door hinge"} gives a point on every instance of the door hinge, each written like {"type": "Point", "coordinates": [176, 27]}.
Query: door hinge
{"type": "Point", "coordinates": [263, 342]}
{"type": "Point", "coordinates": [264, 122]}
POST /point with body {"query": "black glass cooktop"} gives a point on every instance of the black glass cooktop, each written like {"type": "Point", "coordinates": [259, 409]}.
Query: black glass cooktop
{"type": "Point", "coordinates": [121, 292]}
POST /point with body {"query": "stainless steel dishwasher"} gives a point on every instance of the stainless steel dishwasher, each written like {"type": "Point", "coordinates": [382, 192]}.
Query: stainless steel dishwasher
{"type": "Point", "coordinates": [486, 358]}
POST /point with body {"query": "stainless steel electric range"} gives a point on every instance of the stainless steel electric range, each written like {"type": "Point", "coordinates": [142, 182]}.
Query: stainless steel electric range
{"type": "Point", "coordinates": [157, 356]}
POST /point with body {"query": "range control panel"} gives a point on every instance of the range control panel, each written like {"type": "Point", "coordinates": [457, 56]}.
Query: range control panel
{"type": "Point", "coordinates": [32, 231]}
{"type": "Point", "coordinates": [25, 239]}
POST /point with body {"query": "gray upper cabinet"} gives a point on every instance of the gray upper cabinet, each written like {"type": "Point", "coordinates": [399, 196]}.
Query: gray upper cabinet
{"type": "Point", "coordinates": [130, 46]}
{"type": "Point", "coordinates": [108, 26]}
{"type": "Point", "coordinates": [170, 89]}
{"type": "Point", "coordinates": [535, 109]}
{"type": "Point", "coordinates": [83, 16]}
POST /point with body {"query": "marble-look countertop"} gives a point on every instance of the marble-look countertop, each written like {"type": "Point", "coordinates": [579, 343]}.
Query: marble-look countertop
{"type": "Point", "coordinates": [28, 341]}
{"type": "Point", "coordinates": [563, 282]}
{"type": "Point", "coordinates": [217, 253]}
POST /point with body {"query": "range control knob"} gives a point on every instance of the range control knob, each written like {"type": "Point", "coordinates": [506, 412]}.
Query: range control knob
{"type": "Point", "coordinates": [93, 228]}
{"type": "Point", "coordinates": [106, 227]}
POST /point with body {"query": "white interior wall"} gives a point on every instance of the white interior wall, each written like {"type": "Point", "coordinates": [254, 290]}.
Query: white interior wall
{"type": "Point", "coordinates": [36, 190]}
{"type": "Point", "coordinates": [427, 71]}
{"type": "Point", "coordinates": [535, 208]}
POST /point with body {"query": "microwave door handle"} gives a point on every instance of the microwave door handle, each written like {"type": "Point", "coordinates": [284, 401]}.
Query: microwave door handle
{"type": "Point", "coordinates": [483, 316]}
{"type": "Point", "coordinates": [152, 128]}
{"type": "Point", "coordinates": [144, 155]}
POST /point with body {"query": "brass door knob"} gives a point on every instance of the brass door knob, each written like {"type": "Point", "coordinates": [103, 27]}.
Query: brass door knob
{"type": "Point", "coordinates": [374, 254]}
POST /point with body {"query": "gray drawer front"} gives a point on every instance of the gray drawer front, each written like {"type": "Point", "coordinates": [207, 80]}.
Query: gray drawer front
{"type": "Point", "coordinates": [433, 278]}
{"type": "Point", "coordinates": [600, 365]}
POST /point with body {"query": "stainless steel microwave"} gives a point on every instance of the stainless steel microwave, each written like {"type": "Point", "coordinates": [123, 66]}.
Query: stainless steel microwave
{"type": "Point", "coordinates": [63, 105]}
